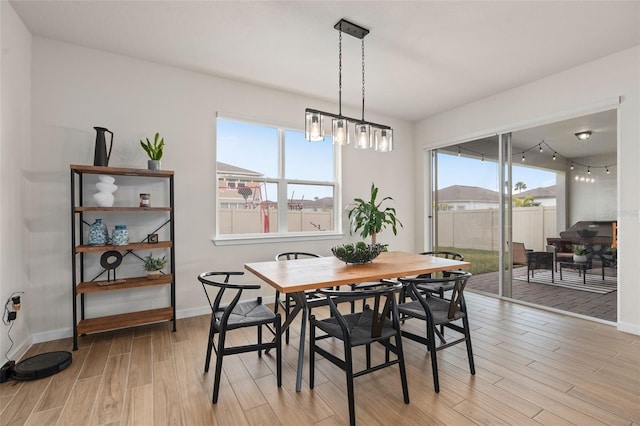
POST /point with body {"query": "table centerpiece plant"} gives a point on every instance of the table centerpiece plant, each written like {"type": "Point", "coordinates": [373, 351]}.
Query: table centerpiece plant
{"type": "Point", "coordinates": [369, 217]}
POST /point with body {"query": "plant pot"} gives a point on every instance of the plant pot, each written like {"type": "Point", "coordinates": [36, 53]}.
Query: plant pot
{"type": "Point", "coordinates": [579, 258]}
{"type": "Point", "coordinates": [153, 164]}
{"type": "Point", "coordinates": [152, 275]}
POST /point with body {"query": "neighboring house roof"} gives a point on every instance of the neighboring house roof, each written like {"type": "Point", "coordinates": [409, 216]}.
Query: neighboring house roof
{"type": "Point", "coordinates": [546, 192]}
{"type": "Point", "coordinates": [228, 169]}
{"type": "Point", "coordinates": [467, 193]}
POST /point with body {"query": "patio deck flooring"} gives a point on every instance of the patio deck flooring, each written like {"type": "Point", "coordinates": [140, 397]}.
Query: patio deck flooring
{"type": "Point", "coordinates": [601, 306]}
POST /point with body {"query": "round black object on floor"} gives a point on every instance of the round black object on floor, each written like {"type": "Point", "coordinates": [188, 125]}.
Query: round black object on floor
{"type": "Point", "coordinates": [42, 365]}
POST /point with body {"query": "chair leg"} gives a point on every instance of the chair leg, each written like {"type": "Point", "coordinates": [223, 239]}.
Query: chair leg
{"type": "Point", "coordinates": [259, 340]}
{"type": "Point", "coordinates": [216, 380]}
{"type": "Point", "coordinates": [312, 351]}
{"type": "Point", "coordinates": [212, 333]}
{"type": "Point", "coordinates": [467, 335]}
{"type": "Point", "coordinates": [431, 344]}
{"type": "Point", "coordinates": [350, 388]}
{"type": "Point", "coordinates": [403, 371]}
{"type": "Point", "coordinates": [278, 327]}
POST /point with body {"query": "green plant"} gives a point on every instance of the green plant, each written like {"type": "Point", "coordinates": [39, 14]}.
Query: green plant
{"type": "Point", "coordinates": [153, 150]}
{"type": "Point", "coordinates": [154, 263]}
{"type": "Point", "coordinates": [369, 217]}
{"type": "Point", "coordinates": [580, 249]}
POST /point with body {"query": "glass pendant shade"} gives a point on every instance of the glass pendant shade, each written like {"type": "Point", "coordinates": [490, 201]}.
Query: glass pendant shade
{"type": "Point", "coordinates": [383, 139]}
{"type": "Point", "coordinates": [340, 131]}
{"type": "Point", "coordinates": [314, 126]}
{"type": "Point", "coordinates": [363, 140]}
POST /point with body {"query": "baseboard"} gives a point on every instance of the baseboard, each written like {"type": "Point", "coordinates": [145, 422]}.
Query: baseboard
{"type": "Point", "coordinates": [19, 351]}
{"type": "Point", "coordinates": [64, 333]}
{"type": "Point", "coordinates": [629, 328]}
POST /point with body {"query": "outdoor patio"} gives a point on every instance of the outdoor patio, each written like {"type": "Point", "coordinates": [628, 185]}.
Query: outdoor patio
{"type": "Point", "coordinates": [601, 306]}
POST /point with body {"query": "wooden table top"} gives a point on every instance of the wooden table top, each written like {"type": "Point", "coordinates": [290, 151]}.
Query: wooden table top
{"type": "Point", "coordinates": [297, 275]}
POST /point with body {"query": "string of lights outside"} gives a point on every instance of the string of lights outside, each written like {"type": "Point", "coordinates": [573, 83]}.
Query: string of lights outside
{"type": "Point", "coordinates": [540, 147]}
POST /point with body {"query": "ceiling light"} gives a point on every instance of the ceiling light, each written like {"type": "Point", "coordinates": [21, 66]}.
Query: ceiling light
{"type": "Point", "coordinates": [366, 134]}
{"type": "Point", "coordinates": [583, 136]}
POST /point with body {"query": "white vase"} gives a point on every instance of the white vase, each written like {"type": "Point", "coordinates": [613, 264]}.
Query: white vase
{"type": "Point", "coordinates": [106, 188]}
{"type": "Point", "coordinates": [579, 258]}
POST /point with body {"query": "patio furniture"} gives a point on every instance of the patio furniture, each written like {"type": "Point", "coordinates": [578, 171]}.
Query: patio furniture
{"type": "Point", "coordinates": [581, 267]}
{"type": "Point", "coordinates": [540, 260]}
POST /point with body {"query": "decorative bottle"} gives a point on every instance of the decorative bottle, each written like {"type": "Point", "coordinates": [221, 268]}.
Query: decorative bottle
{"type": "Point", "coordinates": [98, 233]}
{"type": "Point", "coordinates": [120, 236]}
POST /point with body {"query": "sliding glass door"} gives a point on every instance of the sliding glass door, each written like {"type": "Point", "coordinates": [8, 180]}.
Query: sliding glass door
{"type": "Point", "coordinates": [497, 199]}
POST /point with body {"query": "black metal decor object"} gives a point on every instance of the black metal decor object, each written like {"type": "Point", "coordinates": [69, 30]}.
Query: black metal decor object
{"type": "Point", "coordinates": [110, 260]}
{"type": "Point", "coordinates": [101, 156]}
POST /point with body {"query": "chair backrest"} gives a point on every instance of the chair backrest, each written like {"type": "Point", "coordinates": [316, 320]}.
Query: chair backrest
{"type": "Point", "coordinates": [458, 280]}
{"type": "Point", "coordinates": [540, 260]}
{"type": "Point", "coordinates": [443, 254]}
{"type": "Point", "coordinates": [220, 280]}
{"type": "Point", "coordinates": [384, 306]}
{"type": "Point", "coordinates": [519, 253]}
{"type": "Point", "coordinates": [289, 255]}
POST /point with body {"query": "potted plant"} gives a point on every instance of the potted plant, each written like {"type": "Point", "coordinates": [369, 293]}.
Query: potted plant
{"type": "Point", "coordinates": [154, 151]}
{"type": "Point", "coordinates": [371, 218]}
{"type": "Point", "coordinates": [153, 265]}
{"type": "Point", "coordinates": [580, 252]}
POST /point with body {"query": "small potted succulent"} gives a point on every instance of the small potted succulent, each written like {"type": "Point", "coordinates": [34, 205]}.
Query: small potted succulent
{"type": "Point", "coordinates": [153, 265]}
{"type": "Point", "coordinates": [154, 151]}
{"type": "Point", "coordinates": [580, 252]}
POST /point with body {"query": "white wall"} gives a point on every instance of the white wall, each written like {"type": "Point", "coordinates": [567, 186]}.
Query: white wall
{"type": "Point", "coordinates": [570, 93]}
{"type": "Point", "coordinates": [75, 88]}
{"type": "Point", "coordinates": [15, 136]}
{"type": "Point", "coordinates": [582, 194]}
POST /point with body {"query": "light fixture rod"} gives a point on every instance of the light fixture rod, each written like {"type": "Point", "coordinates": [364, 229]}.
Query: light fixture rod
{"type": "Point", "coordinates": [355, 120]}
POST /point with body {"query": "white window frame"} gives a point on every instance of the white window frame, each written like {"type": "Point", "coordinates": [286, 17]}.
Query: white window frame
{"type": "Point", "coordinates": [282, 184]}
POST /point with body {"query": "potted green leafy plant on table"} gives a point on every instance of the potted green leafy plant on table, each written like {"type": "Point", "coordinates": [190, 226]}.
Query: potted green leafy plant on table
{"type": "Point", "coordinates": [369, 217]}
{"type": "Point", "coordinates": [153, 265]}
{"type": "Point", "coordinates": [154, 150]}
{"type": "Point", "coordinates": [580, 252]}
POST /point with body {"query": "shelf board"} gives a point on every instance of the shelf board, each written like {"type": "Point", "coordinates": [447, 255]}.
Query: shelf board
{"type": "Point", "coordinates": [131, 319]}
{"type": "Point", "coordinates": [122, 284]}
{"type": "Point", "coordinates": [119, 171]}
{"type": "Point", "coordinates": [79, 209]}
{"type": "Point", "coordinates": [133, 246]}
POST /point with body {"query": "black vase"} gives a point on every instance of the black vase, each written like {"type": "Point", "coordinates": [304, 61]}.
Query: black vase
{"type": "Point", "coordinates": [101, 156]}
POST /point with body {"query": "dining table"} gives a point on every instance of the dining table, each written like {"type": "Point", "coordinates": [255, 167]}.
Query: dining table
{"type": "Point", "coordinates": [297, 275]}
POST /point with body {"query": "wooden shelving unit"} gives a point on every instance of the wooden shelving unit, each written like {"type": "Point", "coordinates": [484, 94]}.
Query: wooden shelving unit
{"type": "Point", "coordinates": [89, 291]}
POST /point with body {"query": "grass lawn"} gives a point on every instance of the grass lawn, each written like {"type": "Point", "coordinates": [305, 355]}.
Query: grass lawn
{"type": "Point", "coordinates": [481, 260]}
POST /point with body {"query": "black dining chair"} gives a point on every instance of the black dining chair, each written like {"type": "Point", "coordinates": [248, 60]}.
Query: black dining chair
{"type": "Point", "coordinates": [235, 315]}
{"type": "Point", "coordinates": [435, 311]}
{"type": "Point", "coordinates": [378, 324]}
{"type": "Point", "coordinates": [439, 289]}
{"type": "Point", "coordinates": [312, 297]}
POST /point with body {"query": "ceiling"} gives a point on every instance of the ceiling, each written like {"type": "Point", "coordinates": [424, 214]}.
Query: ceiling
{"type": "Point", "coordinates": [421, 57]}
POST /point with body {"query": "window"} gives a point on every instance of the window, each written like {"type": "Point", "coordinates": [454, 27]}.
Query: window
{"type": "Point", "coordinates": [272, 182]}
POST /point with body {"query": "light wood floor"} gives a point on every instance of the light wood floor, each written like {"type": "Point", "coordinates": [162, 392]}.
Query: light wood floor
{"type": "Point", "coordinates": [533, 367]}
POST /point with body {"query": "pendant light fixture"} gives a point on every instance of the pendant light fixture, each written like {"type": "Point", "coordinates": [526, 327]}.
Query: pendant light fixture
{"type": "Point", "coordinates": [344, 129]}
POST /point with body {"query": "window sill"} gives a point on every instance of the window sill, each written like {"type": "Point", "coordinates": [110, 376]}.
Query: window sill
{"type": "Point", "coordinates": [231, 240]}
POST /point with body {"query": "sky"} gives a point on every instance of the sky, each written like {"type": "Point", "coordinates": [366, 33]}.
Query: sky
{"type": "Point", "coordinates": [484, 174]}
{"type": "Point", "coordinates": [255, 147]}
